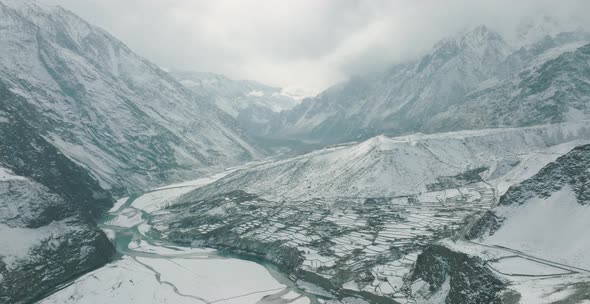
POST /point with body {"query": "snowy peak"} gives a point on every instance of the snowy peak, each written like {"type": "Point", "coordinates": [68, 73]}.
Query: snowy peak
{"type": "Point", "coordinates": [476, 38]}
{"type": "Point", "coordinates": [252, 104]}
{"type": "Point", "coordinates": [54, 21]}
{"type": "Point", "coordinates": [402, 99]}
{"type": "Point", "coordinates": [450, 88]}
{"type": "Point", "coordinates": [480, 41]}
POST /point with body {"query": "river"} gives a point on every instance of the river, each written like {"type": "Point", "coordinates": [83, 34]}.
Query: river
{"type": "Point", "coordinates": [149, 269]}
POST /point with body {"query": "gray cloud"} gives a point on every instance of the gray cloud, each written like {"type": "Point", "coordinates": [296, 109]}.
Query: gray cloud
{"type": "Point", "coordinates": [301, 43]}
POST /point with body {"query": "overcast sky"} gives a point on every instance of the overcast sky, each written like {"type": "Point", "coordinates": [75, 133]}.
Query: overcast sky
{"type": "Point", "coordinates": [308, 44]}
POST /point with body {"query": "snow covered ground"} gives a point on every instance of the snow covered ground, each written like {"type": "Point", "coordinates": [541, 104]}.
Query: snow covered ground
{"type": "Point", "coordinates": [16, 242]}
{"type": "Point", "coordinates": [538, 281]}
{"type": "Point", "coordinates": [516, 265]}
{"type": "Point", "coordinates": [405, 165]}
{"type": "Point", "coordinates": [531, 163]}
{"type": "Point", "coordinates": [202, 275]}
{"type": "Point", "coordinates": [123, 281]}
{"type": "Point", "coordinates": [554, 228]}
{"type": "Point", "coordinates": [7, 174]}
{"type": "Point", "coordinates": [152, 271]}
{"type": "Point", "coordinates": [225, 280]}
{"type": "Point", "coordinates": [118, 204]}
{"type": "Point", "coordinates": [175, 281]}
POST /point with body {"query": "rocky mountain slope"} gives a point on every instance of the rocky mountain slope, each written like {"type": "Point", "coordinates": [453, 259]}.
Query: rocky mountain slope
{"type": "Point", "coordinates": [456, 86]}
{"type": "Point", "coordinates": [118, 115]}
{"type": "Point", "coordinates": [48, 205]}
{"type": "Point", "coordinates": [82, 118]}
{"type": "Point", "coordinates": [405, 95]}
{"type": "Point", "coordinates": [529, 249]}
{"type": "Point", "coordinates": [553, 91]}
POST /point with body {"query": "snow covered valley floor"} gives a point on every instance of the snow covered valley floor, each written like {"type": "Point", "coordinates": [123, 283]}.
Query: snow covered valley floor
{"type": "Point", "coordinates": [334, 245]}
{"type": "Point", "coordinates": [153, 271]}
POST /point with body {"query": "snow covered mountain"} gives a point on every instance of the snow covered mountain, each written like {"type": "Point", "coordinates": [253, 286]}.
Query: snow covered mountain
{"type": "Point", "coordinates": [235, 96]}
{"type": "Point", "coordinates": [545, 214]}
{"type": "Point", "coordinates": [398, 166]}
{"type": "Point", "coordinates": [553, 89]}
{"type": "Point", "coordinates": [391, 218]}
{"type": "Point", "coordinates": [82, 118]}
{"type": "Point", "coordinates": [353, 220]}
{"type": "Point", "coordinates": [528, 249]}
{"type": "Point", "coordinates": [252, 104]}
{"type": "Point", "coordinates": [48, 205]}
{"type": "Point", "coordinates": [445, 89]}
{"type": "Point", "coordinates": [124, 119]}
{"type": "Point", "coordinates": [403, 97]}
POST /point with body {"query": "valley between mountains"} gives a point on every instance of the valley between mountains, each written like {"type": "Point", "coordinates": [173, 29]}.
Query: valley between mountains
{"type": "Point", "coordinates": [342, 247]}
{"type": "Point", "coordinates": [461, 176]}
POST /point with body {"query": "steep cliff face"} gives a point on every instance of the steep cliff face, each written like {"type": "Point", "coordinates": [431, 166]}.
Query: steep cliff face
{"type": "Point", "coordinates": [48, 205]}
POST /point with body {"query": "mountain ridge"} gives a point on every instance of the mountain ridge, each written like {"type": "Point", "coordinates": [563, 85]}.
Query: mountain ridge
{"type": "Point", "coordinates": [417, 96]}
{"type": "Point", "coordinates": [92, 93]}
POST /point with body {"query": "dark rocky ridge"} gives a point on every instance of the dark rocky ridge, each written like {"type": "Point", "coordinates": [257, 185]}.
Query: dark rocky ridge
{"type": "Point", "coordinates": [470, 280]}
{"type": "Point", "coordinates": [56, 192]}
{"type": "Point", "coordinates": [29, 154]}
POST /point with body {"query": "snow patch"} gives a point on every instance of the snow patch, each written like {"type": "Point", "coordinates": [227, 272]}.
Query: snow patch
{"type": "Point", "coordinates": [256, 93]}
{"type": "Point", "coordinates": [553, 228]}
{"type": "Point", "coordinates": [8, 175]}
{"type": "Point", "coordinates": [16, 243]}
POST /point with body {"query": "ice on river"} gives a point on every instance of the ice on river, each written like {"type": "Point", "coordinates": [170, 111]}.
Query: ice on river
{"type": "Point", "coordinates": [216, 279]}
{"type": "Point", "coordinates": [156, 272]}
{"type": "Point", "coordinates": [123, 281]}
{"type": "Point", "coordinates": [174, 281]}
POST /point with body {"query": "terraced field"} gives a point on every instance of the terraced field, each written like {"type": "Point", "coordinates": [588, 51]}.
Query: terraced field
{"type": "Point", "coordinates": [349, 245]}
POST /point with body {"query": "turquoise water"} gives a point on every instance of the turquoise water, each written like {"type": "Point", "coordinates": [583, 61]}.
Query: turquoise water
{"type": "Point", "coordinates": [123, 236]}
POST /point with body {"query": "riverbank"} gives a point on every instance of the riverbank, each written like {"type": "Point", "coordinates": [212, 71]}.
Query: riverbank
{"type": "Point", "coordinates": [149, 270]}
